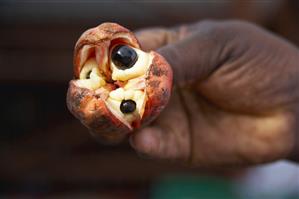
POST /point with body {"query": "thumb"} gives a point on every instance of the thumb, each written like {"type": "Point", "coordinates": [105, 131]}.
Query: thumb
{"type": "Point", "coordinates": [199, 54]}
{"type": "Point", "coordinates": [164, 139]}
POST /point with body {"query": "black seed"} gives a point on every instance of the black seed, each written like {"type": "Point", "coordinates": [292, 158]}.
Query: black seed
{"type": "Point", "coordinates": [127, 106]}
{"type": "Point", "coordinates": [124, 57]}
{"type": "Point", "coordinates": [88, 75]}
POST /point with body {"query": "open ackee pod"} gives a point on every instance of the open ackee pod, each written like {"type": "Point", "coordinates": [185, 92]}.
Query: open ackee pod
{"type": "Point", "coordinates": [117, 86]}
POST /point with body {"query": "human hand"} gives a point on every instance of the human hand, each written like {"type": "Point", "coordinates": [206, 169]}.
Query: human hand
{"type": "Point", "coordinates": [235, 100]}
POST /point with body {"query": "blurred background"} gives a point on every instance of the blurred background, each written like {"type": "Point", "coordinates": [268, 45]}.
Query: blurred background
{"type": "Point", "coordinates": [46, 153]}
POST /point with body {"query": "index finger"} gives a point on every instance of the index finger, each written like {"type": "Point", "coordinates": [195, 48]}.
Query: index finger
{"type": "Point", "coordinates": [154, 38]}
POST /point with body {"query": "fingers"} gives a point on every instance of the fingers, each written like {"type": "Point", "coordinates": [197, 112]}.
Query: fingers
{"type": "Point", "coordinates": [193, 51]}
{"type": "Point", "coordinates": [196, 50]}
{"type": "Point", "coordinates": [165, 139]}
{"type": "Point", "coordinates": [148, 141]}
{"type": "Point", "coordinates": [151, 39]}
{"type": "Point", "coordinates": [158, 142]}
{"type": "Point", "coordinates": [154, 38]}
{"type": "Point", "coordinates": [200, 53]}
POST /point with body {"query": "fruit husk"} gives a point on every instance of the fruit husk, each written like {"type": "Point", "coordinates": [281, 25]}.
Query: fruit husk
{"type": "Point", "coordinates": [91, 110]}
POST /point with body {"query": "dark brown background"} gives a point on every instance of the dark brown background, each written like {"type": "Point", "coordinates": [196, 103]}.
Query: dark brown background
{"type": "Point", "coordinates": [43, 149]}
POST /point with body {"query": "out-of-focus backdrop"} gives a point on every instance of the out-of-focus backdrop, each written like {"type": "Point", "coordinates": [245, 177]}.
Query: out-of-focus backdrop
{"type": "Point", "coordinates": [46, 153]}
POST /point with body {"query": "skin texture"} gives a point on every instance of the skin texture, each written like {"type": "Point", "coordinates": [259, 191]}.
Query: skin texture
{"type": "Point", "coordinates": [236, 97]}
{"type": "Point", "coordinates": [89, 106]}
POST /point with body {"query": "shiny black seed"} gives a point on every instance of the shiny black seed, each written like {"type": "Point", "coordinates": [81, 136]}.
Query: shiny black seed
{"type": "Point", "coordinates": [124, 57]}
{"type": "Point", "coordinates": [127, 106]}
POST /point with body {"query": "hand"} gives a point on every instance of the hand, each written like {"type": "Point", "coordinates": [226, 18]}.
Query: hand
{"type": "Point", "coordinates": [235, 100]}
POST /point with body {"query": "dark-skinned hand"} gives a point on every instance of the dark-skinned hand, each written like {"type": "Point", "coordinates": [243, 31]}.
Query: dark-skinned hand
{"type": "Point", "coordinates": [236, 96]}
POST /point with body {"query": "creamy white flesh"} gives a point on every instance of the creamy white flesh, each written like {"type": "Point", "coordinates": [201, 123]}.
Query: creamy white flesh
{"type": "Point", "coordinates": [139, 68]}
{"type": "Point", "coordinates": [132, 79]}
{"type": "Point", "coordinates": [90, 76]}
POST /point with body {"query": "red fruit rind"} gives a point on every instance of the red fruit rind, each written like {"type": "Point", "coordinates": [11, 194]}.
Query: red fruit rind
{"type": "Point", "coordinates": [158, 88]}
{"type": "Point", "coordinates": [101, 37]}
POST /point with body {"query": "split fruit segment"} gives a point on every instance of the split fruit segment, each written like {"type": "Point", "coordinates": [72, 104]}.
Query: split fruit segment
{"type": "Point", "coordinates": [117, 86]}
